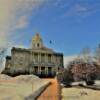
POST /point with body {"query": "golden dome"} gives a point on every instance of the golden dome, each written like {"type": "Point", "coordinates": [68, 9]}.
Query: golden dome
{"type": "Point", "coordinates": [37, 37]}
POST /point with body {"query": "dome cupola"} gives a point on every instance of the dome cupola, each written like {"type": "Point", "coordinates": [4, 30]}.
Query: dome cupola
{"type": "Point", "coordinates": [37, 41]}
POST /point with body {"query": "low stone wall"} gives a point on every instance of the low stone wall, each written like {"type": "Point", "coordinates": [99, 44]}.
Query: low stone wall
{"type": "Point", "coordinates": [38, 92]}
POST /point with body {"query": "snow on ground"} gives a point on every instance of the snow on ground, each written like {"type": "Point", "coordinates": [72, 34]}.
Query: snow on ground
{"type": "Point", "coordinates": [19, 87]}
{"type": "Point", "coordinates": [27, 78]}
{"type": "Point", "coordinates": [5, 77]}
{"type": "Point", "coordinates": [80, 93]}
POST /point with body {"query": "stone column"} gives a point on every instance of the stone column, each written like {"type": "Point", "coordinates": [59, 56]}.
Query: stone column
{"type": "Point", "coordinates": [32, 58]}
{"type": "Point", "coordinates": [52, 58]}
{"type": "Point", "coordinates": [46, 59]}
{"type": "Point", "coordinates": [33, 70]}
{"type": "Point", "coordinates": [38, 69]}
{"type": "Point", "coordinates": [46, 70]}
{"type": "Point", "coordinates": [35, 60]}
{"type": "Point", "coordinates": [38, 57]}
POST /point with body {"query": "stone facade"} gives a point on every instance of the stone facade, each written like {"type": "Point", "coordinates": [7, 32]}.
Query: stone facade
{"type": "Point", "coordinates": [38, 59]}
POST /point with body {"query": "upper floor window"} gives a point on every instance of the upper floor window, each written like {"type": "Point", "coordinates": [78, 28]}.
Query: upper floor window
{"type": "Point", "coordinates": [49, 58]}
{"type": "Point", "coordinates": [42, 57]}
{"type": "Point", "coordinates": [38, 45]}
{"type": "Point", "coordinates": [36, 57]}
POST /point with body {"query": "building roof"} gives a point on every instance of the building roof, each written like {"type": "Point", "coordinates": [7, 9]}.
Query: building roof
{"type": "Point", "coordinates": [37, 38]}
{"type": "Point", "coordinates": [42, 50]}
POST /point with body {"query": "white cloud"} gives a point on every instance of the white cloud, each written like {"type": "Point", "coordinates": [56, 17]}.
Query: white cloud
{"type": "Point", "coordinates": [3, 39]}
{"type": "Point", "coordinates": [77, 9]}
{"type": "Point", "coordinates": [22, 22]}
{"type": "Point", "coordinates": [13, 15]}
{"type": "Point", "coordinates": [82, 10]}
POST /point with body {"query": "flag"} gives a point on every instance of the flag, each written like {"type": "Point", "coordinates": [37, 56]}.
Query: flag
{"type": "Point", "coordinates": [50, 42]}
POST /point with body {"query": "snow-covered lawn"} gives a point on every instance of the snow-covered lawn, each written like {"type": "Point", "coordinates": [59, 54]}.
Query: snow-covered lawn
{"type": "Point", "coordinates": [80, 93]}
{"type": "Point", "coordinates": [19, 87]}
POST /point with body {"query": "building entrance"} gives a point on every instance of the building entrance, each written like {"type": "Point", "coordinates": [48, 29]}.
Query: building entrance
{"type": "Point", "coordinates": [43, 71]}
{"type": "Point", "coordinates": [36, 70]}
{"type": "Point", "coordinates": [49, 71]}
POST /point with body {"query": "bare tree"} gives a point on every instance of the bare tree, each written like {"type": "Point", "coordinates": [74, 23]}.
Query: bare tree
{"type": "Point", "coordinates": [97, 53]}
{"type": "Point", "coordinates": [2, 56]}
{"type": "Point", "coordinates": [86, 54]}
{"type": "Point", "coordinates": [84, 71]}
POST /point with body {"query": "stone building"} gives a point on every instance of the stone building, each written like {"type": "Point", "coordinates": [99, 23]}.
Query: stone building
{"type": "Point", "coordinates": [38, 60]}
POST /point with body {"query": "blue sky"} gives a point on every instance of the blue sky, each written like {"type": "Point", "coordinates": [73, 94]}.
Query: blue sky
{"type": "Point", "coordinates": [70, 24]}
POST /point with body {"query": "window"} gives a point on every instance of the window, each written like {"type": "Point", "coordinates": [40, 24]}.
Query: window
{"type": "Point", "coordinates": [38, 45]}
{"type": "Point", "coordinates": [49, 58]}
{"type": "Point", "coordinates": [42, 58]}
{"type": "Point", "coordinates": [36, 57]}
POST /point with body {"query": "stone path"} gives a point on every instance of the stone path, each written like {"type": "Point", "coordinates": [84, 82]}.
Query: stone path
{"type": "Point", "coordinates": [52, 92]}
